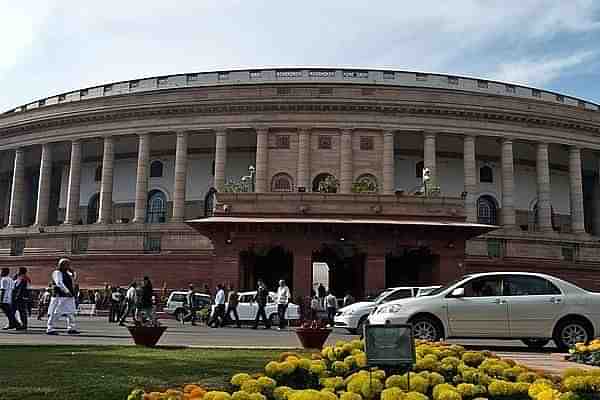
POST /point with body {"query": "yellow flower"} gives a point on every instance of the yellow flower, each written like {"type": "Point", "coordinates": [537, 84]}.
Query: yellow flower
{"type": "Point", "coordinates": [437, 390]}
{"type": "Point", "coordinates": [415, 396]}
{"type": "Point", "coordinates": [371, 388]}
{"type": "Point", "coordinates": [473, 358]}
{"type": "Point", "coordinates": [549, 394]}
{"type": "Point", "coordinates": [287, 367]}
{"type": "Point", "coordinates": [435, 379]}
{"type": "Point", "coordinates": [339, 368]}
{"type": "Point", "coordinates": [281, 392]}
{"type": "Point", "coordinates": [266, 383]}
{"type": "Point", "coordinates": [304, 363]}
{"type": "Point", "coordinates": [361, 359]}
{"type": "Point", "coordinates": [240, 395]}
{"type": "Point", "coordinates": [250, 386]}
{"type": "Point", "coordinates": [327, 395]}
{"type": "Point", "coordinates": [308, 394]}
{"type": "Point", "coordinates": [257, 396]}
{"type": "Point", "coordinates": [392, 393]}
{"type": "Point", "coordinates": [215, 395]}
{"type": "Point", "coordinates": [238, 379]}
{"type": "Point", "coordinates": [272, 368]}
{"type": "Point", "coordinates": [350, 396]}
{"type": "Point", "coordinates": [394, 381]}
{"type": "Point", "coordinates": [449, 395]}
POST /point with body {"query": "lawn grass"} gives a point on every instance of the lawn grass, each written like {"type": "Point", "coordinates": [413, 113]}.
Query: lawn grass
{"type": "Point", "coordinates": [111, 372]}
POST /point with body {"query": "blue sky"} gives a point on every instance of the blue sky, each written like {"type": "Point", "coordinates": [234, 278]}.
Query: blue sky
{"type": "Point", "coordinates": [48, 47]}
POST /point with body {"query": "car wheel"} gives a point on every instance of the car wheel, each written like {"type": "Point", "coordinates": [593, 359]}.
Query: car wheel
{"type": "Point", "coordinates": [536, 344]}
{"type": "Point", "coordinates": [426, 328]}
{"type": "Point", "coordinates": [570, 332]}
{"type": "Point", "coordinates": [179, 314]}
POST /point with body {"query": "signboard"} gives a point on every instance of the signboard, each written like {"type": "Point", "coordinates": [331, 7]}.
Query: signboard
{"type": "Point", "coordinates": [389, 345]}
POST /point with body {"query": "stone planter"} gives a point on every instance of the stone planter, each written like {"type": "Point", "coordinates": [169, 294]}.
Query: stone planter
{"type": "Point", "coordinates": [146, 336]}
{"type": "Point", "coordinates": [313, 338]}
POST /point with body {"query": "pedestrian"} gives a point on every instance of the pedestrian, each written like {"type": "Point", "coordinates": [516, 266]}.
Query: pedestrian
{"type": "Point", "coordinates": [261, 297]}
{"type": "Point", "coordinates": [21, 297]}
{"type": "Point", "coordinates": [232, 304]}
{"type": "Point", "coordinates": [315, 304]}
{"type": "Point", "coordinates": [96, 302]}
{"type": "Point", "coordinates": [146, 303]}
{"type": "Point", "coordinates": [192, 303]}
{"type": "Point", "coordinates": [6, 289]}
{"type": "Point", "coordinates": [331, 303]}
{"type": "Point", "coordinates": [348, 299]}
{"type": "Point", "coordinates": [283, 299]}
{"type": "Point", "coordinates": [106, 295]}
{"type": "Point", "coordinates": [115, 304]}
{"type": "Point", "coordinates": [62, 302]}
{"type": "Point", "coordinates": [218, 317]}
{"type": "Point", "coordinates": [130, 303]}
{"type": "Point", "coordinates": [321, 292]}
{"type": "Point", "coordinates": [44, 302]}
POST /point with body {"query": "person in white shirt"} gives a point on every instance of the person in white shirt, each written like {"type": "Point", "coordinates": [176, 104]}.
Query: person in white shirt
{"type": "Point", "coordinates": [218, 318]}
{"type": "Point", "coordinates": [283, 299]}
{"type": "Point", "coordinates": [331, 303]}
{"type": "Point", "coordinates": [6, 289]}
{"type": "Point", "coordinates": [130, 303]}
{"type": "Point", "coordinates": [63, 298]}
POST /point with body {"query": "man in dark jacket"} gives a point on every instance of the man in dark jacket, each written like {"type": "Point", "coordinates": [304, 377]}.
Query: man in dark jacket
{"type": "Point", "coordinates": [232, 303]}
{"type": "Point", "coordinates": [21, 297]}
{"type": "Point", "coordinates": [261, 297]}
{"type": "Point", "coordinates": [146, 303]}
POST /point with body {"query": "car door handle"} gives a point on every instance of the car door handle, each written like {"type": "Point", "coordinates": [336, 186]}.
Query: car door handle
{"type": "Point", "coordinates": [500, 301]}
{"type": "Point", "coordinates": [555, 300]}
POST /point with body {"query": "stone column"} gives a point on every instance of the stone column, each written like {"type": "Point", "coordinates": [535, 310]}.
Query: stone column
{"type": "Point", "coordinates": [346, 161]}
{"type": "Point", "coordinates": [304, 159]}
{"type": "Point", "coordinates": [141, 183]}
{"type": "Point", "coordinates": [388, 162]}
{"type": "Point", "coordinates": [43, 197]}
{"type": "Point", "coordinates": [106, 185]}
{"type": "Point", "coordinates": [220, 158]}
{"type": "Point", "coordinates": [181, 154]}
{"type": "Point", "coordinates": [544, 205]}
{"type": "Point", "coordinates": [429, 157]}
{"type": "Point", "coordinates": [470, 177]}
{"type": "Point", "coordinates": [576, 190]}
{"type": "Point", "coordinates": [15, 217]}
{"type": "Point", "coordinates": [74, 189]}
{"type": "Point", "coordinates": [596, 197]}
{"type": "Point", "coordinates": [262, 160]}
{"type": "Point", "coordinates": [508, 185]}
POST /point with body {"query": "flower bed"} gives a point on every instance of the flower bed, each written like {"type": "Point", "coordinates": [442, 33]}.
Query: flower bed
{"type": "Point", "coordinates": [586, 353]}
{"type": "Point", "coordinates": [442, 372]}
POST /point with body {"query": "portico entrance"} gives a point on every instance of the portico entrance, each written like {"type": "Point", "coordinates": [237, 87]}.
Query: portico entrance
{"type": "Point", "coordinates": [346, 267]}
{"type": "Point", "coordinates": [410, 266]}
{"type": "Point", "coordinates": [269, 263]}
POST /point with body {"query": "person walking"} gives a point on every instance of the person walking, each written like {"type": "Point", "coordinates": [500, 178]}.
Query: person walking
{"type": "Point", "coordinates": [218, 317]}
{"type": "Point", "coordinates": [44, 302]}
{"type": "Point", "coordinates": [115, 302]}
{"type": "Point", "coordinates": [130, 303]}
{"type": "Point", "coordinates": [192, 303]}
{"type": "Point", "coordinates": [283, 299]}
{"type": "Point", "coordinates": [21, 297]}
{"type": "Point", "coordinates": [261, 297]}
{"type": "Point", "coordinates": [96, 302]}
{"type": "Point", "coordinates": [146, 303]}
{"type": "Point", "coordinates": [348, 299]}
{"type": "Point", "coordinates": [6, 298]}
{"type": "Point", "coordinates": [321, 292]}
{"type": "Point", "coordinates": [232, 304]}
{"type": "Point", "coordinates": [62, 302]}
{"type": "Point", "coordinates": [315, 304]}
{"type": "Point", "coordinates": [331, 303]}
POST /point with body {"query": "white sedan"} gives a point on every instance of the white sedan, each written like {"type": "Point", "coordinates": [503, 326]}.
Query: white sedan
{"type": "Point", "coordinates": [247, 308]}
{"type": "Point", "coordinates": [534, 308]}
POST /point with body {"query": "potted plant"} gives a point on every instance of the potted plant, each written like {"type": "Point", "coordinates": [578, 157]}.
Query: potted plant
{"type": "Point", "coordinates": [146, 332]}
{"type": "Point", "coordinates": [313, 334]}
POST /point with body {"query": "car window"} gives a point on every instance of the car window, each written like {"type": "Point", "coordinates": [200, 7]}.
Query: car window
{"type": "Point", "coordinates": [245, 298]}
{"type": "Point", "coordinates": [484, 287]}
{"type": "Point", "coordinates": [528, 286]}
{"type": "Point", "coordinates": [178, 297]}
{"type": "Point", "coordinates": [398, 294]}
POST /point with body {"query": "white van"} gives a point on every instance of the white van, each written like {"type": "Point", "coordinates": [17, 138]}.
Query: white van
{"type": "Point", "coordinates": [177, 303]}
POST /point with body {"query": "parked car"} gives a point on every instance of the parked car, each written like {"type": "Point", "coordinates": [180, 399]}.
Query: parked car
{"type": "Point", "coordinates": [177, 303]}
{"type": "Point", "coordinates": [534, 308]}
{"type": "Point", "coordinates": [354, 316]}
{"type": "Point", "coordinates": [247, 308]}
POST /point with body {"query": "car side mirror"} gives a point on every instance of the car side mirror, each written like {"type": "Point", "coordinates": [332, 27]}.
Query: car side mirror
{"type": "Point", "coordinates": [458, 292]}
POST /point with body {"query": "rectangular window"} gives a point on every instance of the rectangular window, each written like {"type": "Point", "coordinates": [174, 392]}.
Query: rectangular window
{"type": "Point", "coordinates": [536, 93]}
{"type": "Point", "coordinates": [421, 77]}
{"type": "Point", "coordinates": [17, 246]}
{"type": "Point", "coordinates": [366, 143]}
{"type": "Point", "coordinates": [482, 84]}
{"type": "Point", "coordinates": [510, 89]}
{"type": "Point", "coordinates": [283, 141]}
{"type": "Point", "coordinates": [192, 77]}
{"type": "Point", "coordinates": [321, 74]}
{"type": "Point", "coordinates": [452, 80]}
{"type": "Point", "coordinates": [494, 248]}
{"type": "Point", "coordinates": [325, 142]}
{"type": "Point", "coordinates": [162, 81]}
{"type": "Point", "coordinates": [388, 75]}
{"type": "Point", "coordinates": [283, 91]}
{"type": "Point", "coordinates": [223, 76]}
{"type": "Point", "coordinates": [152, 243]}
{"type": "Point", "coordinates": [288, 74]}
{"type": "Point", "coordinates": [567, 253]}
{"type": "Point", "coordinates": [79, 244]}
{"type": "Point", "coordinates": [255, 74]}
{"type": "Point", "coordinates": [356, 74]}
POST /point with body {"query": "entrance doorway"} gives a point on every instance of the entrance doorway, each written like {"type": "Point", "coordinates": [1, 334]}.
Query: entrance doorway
{"type": "Point", "coordinates": [271, 264]}
{"type": "Point", "coordinates": [409, 266]}
{"type": "Point", "coordinates": [346, 268]}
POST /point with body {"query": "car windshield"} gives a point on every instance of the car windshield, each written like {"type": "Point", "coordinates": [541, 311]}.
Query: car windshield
{"type": "Point", "coordinates": [441, 289]}
{"type": "Point", "coordinates": [381, 296]}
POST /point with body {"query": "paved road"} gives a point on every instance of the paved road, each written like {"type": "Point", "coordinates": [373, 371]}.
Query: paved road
{"type": "Point", "coordinates": [97, 331]}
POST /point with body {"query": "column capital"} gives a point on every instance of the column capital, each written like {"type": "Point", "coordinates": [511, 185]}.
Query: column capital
{"type": "Point", "coordinates": [346, 131]}
{"type": "Point", "coordinates": [20, 150]}
{"type": "Point", "coordinates": [261, 130]}
{"type": "Point", "coordinates": [429, 135]}
{"type": "Point", "coordinates": [506, 140]}
{"type": "Point", "coordinates": [221, 131]}
{"type": "Point", "coordinates": [469, 136]}
{"type": "Point", "coordinates": [180, 134]}
{"type": "Point", "coordinates": [305, 130]}
{"type": "Point", "coordinates": [143, 134]}
{"type": "Point", "coordinates": [389, 132]}
{"type": "Point", "coordinates": [542, 145]}
{"type": "Point", "coordinates": [574, 149]}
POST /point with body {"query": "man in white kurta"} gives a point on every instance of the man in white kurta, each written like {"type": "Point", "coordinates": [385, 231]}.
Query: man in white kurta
{"type": "Point", "coordinates": [63, 298]}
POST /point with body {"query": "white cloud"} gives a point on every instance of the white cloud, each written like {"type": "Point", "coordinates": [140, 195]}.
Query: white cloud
{"type": "Point", "coordinates": [542, 71]}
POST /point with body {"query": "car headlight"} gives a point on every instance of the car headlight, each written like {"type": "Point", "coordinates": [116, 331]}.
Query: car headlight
{"type": "Point", "coordinates": [392, 308]}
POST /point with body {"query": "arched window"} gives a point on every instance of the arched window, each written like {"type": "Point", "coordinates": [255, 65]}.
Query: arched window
{"type": "Point", "coordinates": [93, 208]}
{"type": "Point", "coordinates": [156, 211]}
{"type": "Point", "coordinates": [325, 183]}
{"type": "Point", "coordinates": [156, 169]}
{"type": "Point", "coordinates": [487, 210]}
{"type": "Point", "coordinates": [419, 169]}
{"type": "Point", "coordinates": [282, 183]}
{"type": "Point", "coordinates": [365, 183]}
{"type": "Point", "coordinates": [98, 174]}
{"type": "Point", "coordinates": [486, 174]}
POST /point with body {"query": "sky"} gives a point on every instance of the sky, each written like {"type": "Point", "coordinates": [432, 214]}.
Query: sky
{"type": "Point", "coordinates": [49, 47]}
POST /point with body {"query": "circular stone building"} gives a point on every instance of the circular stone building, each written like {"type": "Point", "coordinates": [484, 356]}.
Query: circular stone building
{"type": "Point", "coordinates": [231, 176]}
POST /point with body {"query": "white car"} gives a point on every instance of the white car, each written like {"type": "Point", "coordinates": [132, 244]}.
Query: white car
{"type": "Point", "coordinates": [248, 308]}
{"type": "Point", "coordinates": [177, 303]}
{"type": "Point", "coordinates": [353, 316]}
{"type": "Point", "coordinates": [534, 308]}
